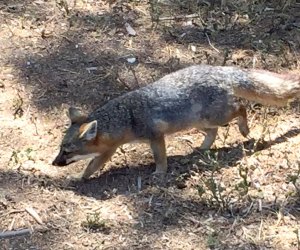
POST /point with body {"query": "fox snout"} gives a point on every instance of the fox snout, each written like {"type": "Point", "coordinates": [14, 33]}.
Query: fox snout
{"type": "Point", "coordinates": [60, 160]}
{"type": "Point", "coordinates": [64, 159]}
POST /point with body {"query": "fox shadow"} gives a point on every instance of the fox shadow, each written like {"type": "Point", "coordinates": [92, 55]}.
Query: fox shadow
{"type": "Point", "coordinates": [165, 201]}
{"type": "Point", "coordinates": [168, 209]}
{"type": "Point", "coordinates": [135, 178]}
{"type": "Point", "coordinates": [137, 184]}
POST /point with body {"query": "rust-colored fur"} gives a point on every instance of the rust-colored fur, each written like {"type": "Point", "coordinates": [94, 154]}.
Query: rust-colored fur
{"type": "Point", "coordinates": [270, 88]}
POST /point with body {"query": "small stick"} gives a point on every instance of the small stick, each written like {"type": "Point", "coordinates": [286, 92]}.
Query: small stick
{"type": "Point", "coordinates": [177, 17]}
{"type": "Point", "coordinates": [260, 230]}
{"type": "Point", "coordinates": [135, 78]}
{"type": "Point", "coordinates": [69, 71]}
{"type": "Point", "coordinates": [211, 45]}
{"type": "Point", "coordinates": [11, 226]}
{"type": "Point", "coordinates": [34, 214]}
{"type": "Point", "coordinates": [11, 212]}
{"type": "Point", "coordinates": [139, 183]}
{"type": "Point", "coordinates": [10, 234]}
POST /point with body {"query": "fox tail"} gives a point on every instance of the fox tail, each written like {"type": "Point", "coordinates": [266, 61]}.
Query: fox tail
{"type": "Point", "coordinates": [269, 88]}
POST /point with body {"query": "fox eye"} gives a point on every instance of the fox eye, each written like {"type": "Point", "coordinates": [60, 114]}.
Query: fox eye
{"type": "Point", "coordinates": [67, 148]}
{"type": "Point", "coordinates": [67, 152]}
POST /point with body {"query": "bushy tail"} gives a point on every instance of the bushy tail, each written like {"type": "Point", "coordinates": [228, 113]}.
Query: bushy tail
{"type": "Point", "coordinates": [269, 88]}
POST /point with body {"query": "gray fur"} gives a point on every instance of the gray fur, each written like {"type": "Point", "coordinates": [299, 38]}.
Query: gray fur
{"type": "Point", "coordinates": [197, 93]}
{"type": "Point", "coordinates": [202, 96]}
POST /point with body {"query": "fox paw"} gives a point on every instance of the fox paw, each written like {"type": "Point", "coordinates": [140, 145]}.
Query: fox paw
{"type": "Point", "coordinates": [75, 177]}
{"type": "Point", "coordinates": [159, 173]}
{"type": "Point", "coordinates": [158, 176]}
{"type": "Point", "coordinates": [204, 147]}
{"type": "Point", "coordinates": [244, 131]}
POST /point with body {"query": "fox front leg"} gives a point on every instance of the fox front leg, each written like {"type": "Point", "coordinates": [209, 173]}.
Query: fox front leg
{"type": "Point", "coordinates": [158, 147]}
{"type": "Point", "coordinates": [94, 165]}
{"type": "Point", "coordinates": [210, 137]}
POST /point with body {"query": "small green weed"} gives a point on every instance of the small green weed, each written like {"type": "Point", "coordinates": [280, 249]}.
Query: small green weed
{"type": "Point", "coordinates": [294, 179]}
{"type": "Point", "coordinates": [94, 223]}
{"type": "Point", "coordinates": [215, 193]}
{"type": "Point", "coordinates": [18, 157]}
{"type": "Point", "coordinates": [212, 241]}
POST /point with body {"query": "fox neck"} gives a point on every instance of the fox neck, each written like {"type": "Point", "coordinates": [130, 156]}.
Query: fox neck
{"type": "Point", "coordinates": [106, 141]}
{"type": "Point", "coordinates": [269, 88]}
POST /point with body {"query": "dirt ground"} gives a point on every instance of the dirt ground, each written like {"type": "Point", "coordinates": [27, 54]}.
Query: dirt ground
{"type": "Point", "coordinates": [242, 194]}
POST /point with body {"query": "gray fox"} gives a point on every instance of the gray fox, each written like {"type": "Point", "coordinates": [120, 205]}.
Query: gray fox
{"type": "Point", "coordinates": [201, 96]}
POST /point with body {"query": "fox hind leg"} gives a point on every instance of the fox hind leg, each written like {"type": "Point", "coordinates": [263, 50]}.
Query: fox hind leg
{"type": "Point", "coordinates": [236, 111]}
{"type": "Point", "coordinates": [239, 111]}
{"type": "Point", "coordinates": [242, 120]}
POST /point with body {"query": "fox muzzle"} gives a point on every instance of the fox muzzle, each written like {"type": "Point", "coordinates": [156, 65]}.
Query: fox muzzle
{"type": "Point", "coordinates": [60, 160]}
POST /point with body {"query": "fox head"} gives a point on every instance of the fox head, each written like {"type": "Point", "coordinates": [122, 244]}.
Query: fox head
{"type": "Point", "coordinates": [79, 141]}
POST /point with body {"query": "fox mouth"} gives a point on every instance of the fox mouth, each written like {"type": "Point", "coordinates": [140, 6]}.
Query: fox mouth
{"type": "Point", "coordinates": [64, 162]}
{"type": "Point", "coordinates": [61, 163]}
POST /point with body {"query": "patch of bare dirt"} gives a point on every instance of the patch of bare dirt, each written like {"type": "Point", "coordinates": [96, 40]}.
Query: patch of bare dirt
{"type": "Point", "coordinates": [242, 194]}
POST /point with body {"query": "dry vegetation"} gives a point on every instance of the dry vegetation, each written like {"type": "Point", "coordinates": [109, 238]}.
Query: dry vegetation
{"type": "Point", "coordinates": [244, 194]}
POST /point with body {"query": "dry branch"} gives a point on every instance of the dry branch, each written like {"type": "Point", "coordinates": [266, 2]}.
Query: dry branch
{"type": "Point", "coordinates": [10, 234]}
{"type": "Point", "coordinates": [178, 17]}
{"type": "Point", "coordinates": [34, 214]}
{"type": "Point", "coordinates": [211, 45]}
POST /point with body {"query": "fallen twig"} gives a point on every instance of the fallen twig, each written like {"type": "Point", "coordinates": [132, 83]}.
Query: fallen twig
{"type": "Point", "coordinates": [135, 78]}
{"type": "Point", "coordinates": [139, 183]}
{"type": "Point", "coordinates": [178, 17]}
{"type": "Point", "coordinates": [11, 212]}
{"type": "Point", "coordinates": [69, 71]}
{"type": "Point", "coordinates": [11, 226]}
{"type": "Point", "coordinates": [34, 214]}
{"type": "Point", "coordinates": [211, 45]}
{"type": "Point", "coordinates": [10, 234]}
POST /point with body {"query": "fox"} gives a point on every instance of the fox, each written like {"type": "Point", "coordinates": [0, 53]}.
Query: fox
{"type": "Point", "coordinates": [200, 96]}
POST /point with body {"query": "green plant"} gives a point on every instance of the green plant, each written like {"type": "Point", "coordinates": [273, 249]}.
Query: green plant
{"type": "Point", "coordinates": [18, 157]}
{"type": "Point", "coordinates": [210, 189]}
{"type": "Point", "coordinates": [214, 193]}
{"type": "Point", "coordinates": [156, 11]}
{"type": "Point", "coordinates": [212, 241]}
{"type": "Point", "coordinates": [94, 222]}
{"type": "Point", "coordinates": [243, 186]}
{"type": "Point", "coordinates": [294, 179]}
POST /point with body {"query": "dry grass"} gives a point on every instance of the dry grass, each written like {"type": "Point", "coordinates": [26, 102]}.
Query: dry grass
{"type": "Point", "coordinates": [244, 194]}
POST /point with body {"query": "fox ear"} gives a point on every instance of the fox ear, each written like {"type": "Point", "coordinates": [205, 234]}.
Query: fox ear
{"type": "Point", "coordinates": [75, 115]}
{"type": "Point", "coordinates": [88, 131]}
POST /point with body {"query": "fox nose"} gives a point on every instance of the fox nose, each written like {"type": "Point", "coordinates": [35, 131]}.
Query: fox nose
{"type": "Point", "coordinates": [54, 163]}
{"type": "Point", "coordinates": [59, 161]}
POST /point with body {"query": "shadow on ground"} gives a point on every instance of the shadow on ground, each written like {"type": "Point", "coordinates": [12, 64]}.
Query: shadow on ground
{"type": "Point", "coordinates": [86, 58]}
{"type": "Point", "coordinates": [156, 211]}
{"type": "Point", "coordinates": [81, 60]}
{"type": "Point", "coordinates": [157, 208]}
{"type": "Point", "coordinates": [194, 162]}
